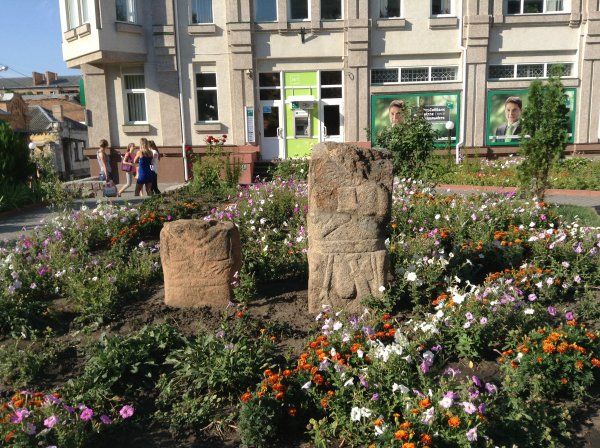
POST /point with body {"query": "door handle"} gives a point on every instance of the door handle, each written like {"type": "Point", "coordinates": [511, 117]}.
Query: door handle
{"type": "Point", "coordinates": [325, 131]}
{"type": "Point", "coordinates": [279, 132]}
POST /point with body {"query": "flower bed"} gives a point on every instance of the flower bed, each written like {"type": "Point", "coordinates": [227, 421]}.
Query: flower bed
{"type": "Point", "coordinates": [486, 337]}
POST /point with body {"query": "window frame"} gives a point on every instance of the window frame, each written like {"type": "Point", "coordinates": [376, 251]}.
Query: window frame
{"type": "Point", "coordinates": [517, 64]}
{"type": "Point", "coordinates": [127, 91]}
{"type": "Point", "coordinates": [566, 9]}
{"type": "Point", "coordinates": [452, 12]}
{"type": "Point", "coordinates": [289, 11]}
{"type": "Point", "coordinates": [428, 80]}
{"type": "Point", "coordinates": [212, 14]}
{"type": "Point", "coordinates": [82, 7]}
{"type": "Point", "coordinates": [330, 20]}
{"type": "Point", "coordinates": [215, 88]}
{"type": "Point", "coordinates": [131, 10]}
{"type": "Point", "coordinates": [278, 88]}
{"type": "Point", "coordinates": [255, 9]}
{"type": "Point", "coordinates": [331, 86]}
{"type": "Point", "coordinates": [400, 11]}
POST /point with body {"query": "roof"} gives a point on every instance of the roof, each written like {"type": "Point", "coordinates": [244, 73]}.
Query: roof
{"type": "Point", "coordinates": [50, 96]}
{"type": "Point", "coordinates": [27, 83]}
{"type": "Point", "coordinates": [41, 119]}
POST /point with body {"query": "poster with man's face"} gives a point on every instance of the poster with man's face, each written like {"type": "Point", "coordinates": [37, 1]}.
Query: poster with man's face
{"type": "Point", "coordinates": [438, 108]}
{"type": "Point", "coordinates": [505, 109]}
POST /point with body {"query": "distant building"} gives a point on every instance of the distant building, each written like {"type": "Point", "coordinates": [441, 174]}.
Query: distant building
{"type": "Point", "coordinates": [63, 138]}
{"type": "Point", "coordinates": [69, 101]}
{"type": "Point", "coordinates": [13, 110]}
{"type": "Point", "coordinates": [48, 83]}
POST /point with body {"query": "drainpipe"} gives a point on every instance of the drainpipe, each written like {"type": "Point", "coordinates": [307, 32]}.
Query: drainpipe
{"type": "Point", "coordinates": [463, 102]}
{"type": "Point", "coordinates": [186, 174]}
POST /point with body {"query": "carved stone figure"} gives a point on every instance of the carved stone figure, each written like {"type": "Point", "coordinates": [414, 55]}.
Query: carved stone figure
{"type": "Point", "coordinates": [349, 210]}
{"type": "Point", "coordinates": [199, 260]}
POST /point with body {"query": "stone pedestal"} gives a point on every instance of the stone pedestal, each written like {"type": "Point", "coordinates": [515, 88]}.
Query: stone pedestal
{"type": "Point", "coordinates": [199, 261]}
{"type": "Point", "coordinates": [349, 210]}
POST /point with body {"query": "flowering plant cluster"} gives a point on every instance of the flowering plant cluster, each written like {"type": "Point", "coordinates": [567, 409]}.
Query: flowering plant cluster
{"type": "Point", "coordinates": [37, 419]}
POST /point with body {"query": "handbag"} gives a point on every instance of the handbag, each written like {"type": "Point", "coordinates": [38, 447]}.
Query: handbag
{"type": "Point", "coordinates": [125, 167]}
{"type": "Point", "coordinates": [109, 190]}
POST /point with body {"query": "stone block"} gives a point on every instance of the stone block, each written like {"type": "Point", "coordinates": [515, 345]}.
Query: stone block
{"type": "Point", "coordinates": [199, 260]}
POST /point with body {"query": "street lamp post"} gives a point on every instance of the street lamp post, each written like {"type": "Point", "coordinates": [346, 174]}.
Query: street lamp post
{"type": "Point", "coordinates": [449, 127]}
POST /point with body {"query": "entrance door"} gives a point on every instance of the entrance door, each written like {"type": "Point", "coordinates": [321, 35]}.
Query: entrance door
{"type": "Point", "coordinates": [273, 139]}
{"type": "Point", "coordinates": [332, 120]}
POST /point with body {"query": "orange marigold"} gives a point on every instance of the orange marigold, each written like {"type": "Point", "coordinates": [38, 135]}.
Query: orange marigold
{"type": "Point", "coordinates": [454, 422]}
{"type": "Point", "coordinates": [246, 397]}
{"type": "Point", "coordinates": [596, 362]}
{"type": "Point", "coordinates": [426, 439]}
{"type": "Point", "coordinates": [401, 435]}
{"type": "Point", "coordinates": [409, 445]}
{"type": "Point", "coordinates": [578, 365]}
{"type": "Point", "coordinates": [425, 403]}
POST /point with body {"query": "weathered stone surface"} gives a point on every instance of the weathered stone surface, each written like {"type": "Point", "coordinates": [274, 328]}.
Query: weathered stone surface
{"type": "Point", "coordinates": [199, 260]}
{"type": "Point", "coordinates": [349, 210]}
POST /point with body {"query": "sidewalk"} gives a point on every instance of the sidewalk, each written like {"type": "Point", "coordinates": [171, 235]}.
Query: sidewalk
{"type": "Point", "coordinates": [11, 227]}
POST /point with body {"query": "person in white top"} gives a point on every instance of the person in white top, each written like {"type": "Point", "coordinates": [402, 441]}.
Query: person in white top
{"type": "Point", "coordinates": [103, 161]}
{"type": "Point", "coordinates": [155, 158]}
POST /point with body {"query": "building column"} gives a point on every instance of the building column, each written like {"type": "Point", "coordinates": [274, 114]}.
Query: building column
{"type": "Point", "coordinates": [97, 112]}
{"type": "Point", "coordinates": [356, 80]}
{"type": "Point", "coordinates": [588, 98]}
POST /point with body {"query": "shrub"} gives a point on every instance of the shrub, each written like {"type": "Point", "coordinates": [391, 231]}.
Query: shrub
{"type": "Point", "coordinates": [290, 169]}
{"type": "Point", "coordinates": [411, 143]}
{"type": "Point", "coordinates": [15, 163]}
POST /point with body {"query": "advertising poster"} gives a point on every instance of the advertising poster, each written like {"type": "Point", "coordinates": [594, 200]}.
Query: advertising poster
{"type": "Point", "coordinates": [504, 116]}
{"type": "Point", "coordinates": [438, 108]}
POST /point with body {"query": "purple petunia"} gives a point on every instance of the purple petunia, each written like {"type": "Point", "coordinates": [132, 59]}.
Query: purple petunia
{"type": "Point", "coordinates": [51, 421]}
{"type": "Point", "coordinates": [126, 411]}
{"type": "Point", "coordinates": [86, 414]}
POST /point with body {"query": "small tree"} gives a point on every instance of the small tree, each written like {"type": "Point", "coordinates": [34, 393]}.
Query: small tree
{"type": "Point", "coordinates": [15, 161]}
{"type": "Point", "coordinates": [411, 143]}
{"type": "Point", "coordinates": [544, 139]}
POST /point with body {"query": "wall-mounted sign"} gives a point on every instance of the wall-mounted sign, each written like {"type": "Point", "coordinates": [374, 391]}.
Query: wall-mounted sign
{"type": "Point", "coordinates": [504, 113]}
{"type": "Point", "coordinates": [250, 131]}
{"type": "Point", "coordinates": [438, 108]}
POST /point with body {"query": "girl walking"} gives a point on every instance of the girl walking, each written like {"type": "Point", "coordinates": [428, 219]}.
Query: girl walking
{"type": "Point", "coordinates": [127, 167]}
{"type": "Point", "coordinates": [145, 175]}
{"type": "Point", "coordinates": [155, 158]}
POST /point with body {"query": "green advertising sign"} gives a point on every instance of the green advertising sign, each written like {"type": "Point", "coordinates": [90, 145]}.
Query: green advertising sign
{"type": "Point", "coordinates": [439, 108]}
{"type": "Point", "coordinates": [504, 108]}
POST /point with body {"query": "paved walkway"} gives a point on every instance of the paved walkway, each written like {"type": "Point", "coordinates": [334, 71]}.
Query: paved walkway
{"type": "Point", "coordinates": [12, 226]}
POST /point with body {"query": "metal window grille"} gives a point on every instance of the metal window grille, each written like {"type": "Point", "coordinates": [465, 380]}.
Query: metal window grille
{"type": "Point", "coordinates": [501, 71]}
{"type": "Point", "coordinates": [383, 75]}
{"type": "Point", "coordinates": [443, 73]}
{"type": "Point", "coordinates": [530, 71]}
{"type": "Point", "coordinates": [566, 69]}
{"type": "Point", "coordinates": [417, 74]}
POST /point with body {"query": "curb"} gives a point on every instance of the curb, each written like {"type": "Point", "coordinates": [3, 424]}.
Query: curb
{"type": "Point", "coordinates": [492, 189]}
{"type": "Point", "coordinates": [18, 211]}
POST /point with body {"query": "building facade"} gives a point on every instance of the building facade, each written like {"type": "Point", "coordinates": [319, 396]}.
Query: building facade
{"type": "Point", "coordinates": [277, 76]}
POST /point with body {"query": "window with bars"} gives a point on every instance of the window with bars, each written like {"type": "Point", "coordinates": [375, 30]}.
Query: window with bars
{"type": "Point", "coordinates": [534, 6]}
{"type": "Point", "coordinates": [206, 94]}
{"type": "Point", "coordinates": [331, 9]}
{"type": "Point", "coordinates": [331, 84]}
{"type": "Point", "coordinates": [414, 74]}
{"type": "Point", "coordinates": [202, 11]}
{"type": "Point", "coordinates": [77, 13]}
{"type": "Point", "coordinates": [126, 11]}
{"type": "Point", "coordinates": [269, 85]}
{"type": "Point", "coordinates": [441, 7]}
{"type": "Point", "coordinates": [539, 70]}
{"type": "Point", "coordinates": [135, 93]}
{"type": "Point", "coordinates": [265, 10]}
{"type": "Point", "coordinates": [384, 75]}
{"type": "Point", "coordinates": [389, 8]}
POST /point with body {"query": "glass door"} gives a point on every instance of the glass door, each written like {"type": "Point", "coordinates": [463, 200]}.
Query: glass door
{"type": "Point", "coordinates": [272, 135]}
{"type": "Point", "coordinates": [331, 107]}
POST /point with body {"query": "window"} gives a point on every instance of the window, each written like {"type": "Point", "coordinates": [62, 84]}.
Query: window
{"type": "Point", "coordinates": [413, 74]}
{"type": "Point", "coordinates": [331, 9]}
{"type": "Point", "coordinates": [265, 10]}
{"type": "Point", "coordinates": [298, 9]}
{"type": "Point", "coordinates": [126, 11]}
{"type": "Point", "coordinates": [331, 84]}
{"type": "Point", "coordinates": [135, 92]}
{"type": "Point", "coordinates": [202, 11]}
{"type": "Point", "coordinates": [389, 8]}
{"type": "Point", "coordinates": [269, 85]}
{"type": "Point", "coordinates": [441, 7]}
{"type": "Point", "coordinates": [540, 70]}
{"type": "Point", "coordinates": [385, 75]}
{"type": "Point", "coordinates": [77, 13]}
{"type": "Point", "coordinates": [206, 92]}
{"type": "Point", "coordinates": [534, 6]}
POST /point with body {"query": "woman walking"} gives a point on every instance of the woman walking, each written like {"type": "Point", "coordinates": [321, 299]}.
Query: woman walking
{"type": "Point", "coordinates": [127, 167]}
{"type": "Point", "coordinates": [145, 175]}
{"type": "Point", "coordinates": [103, 161]}
{"type": "Point", "coordinates": [155, 158]}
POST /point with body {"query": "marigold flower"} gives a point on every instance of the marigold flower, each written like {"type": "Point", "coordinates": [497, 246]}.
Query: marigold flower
{"type": "Point", "coordinates": [579, 365]}
{"type": "Point", "coordinates": [406, 425]}
{"type": "Point", "coordinates": [401, 434]}
{"type": "Point", "coordinates": [454, 422]}
{"type": "Point", "coordinates": [409, 445]}
{"type": "Point", "coordinates": [325, 403]}
{"type": "Point", "coordinates": [279, 396]}
{"type": "Point", "coordinates": [426, 439]}
{"type": "Point", "coordinates": [596, 362]}
{"type": "Point", "coordinates": [292, 412]}
{"type": "Point", "coordinates": [425, 403]}
{"type": "Point", "coordinates": [564, 380]}
{"type": "Point", "coordinates": [245, 398]}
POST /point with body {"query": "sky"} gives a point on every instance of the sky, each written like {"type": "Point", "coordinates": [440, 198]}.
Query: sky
{"type": "Point", "coordinates": [31, 38]}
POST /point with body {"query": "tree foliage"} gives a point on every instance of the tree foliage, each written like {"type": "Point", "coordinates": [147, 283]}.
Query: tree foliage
{"type": "Point", "coordinates": [545, 132]}
{"type": "Point", "coordinates": [15, 162]}
{"type": "Point", "coordinates": [411, 143]}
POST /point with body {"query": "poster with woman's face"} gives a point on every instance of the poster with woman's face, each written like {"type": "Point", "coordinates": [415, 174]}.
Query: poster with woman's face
{"type": "Point", "coordinates": [438, 108]}
{"type": "Point", "coordinates": [505, 109]}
